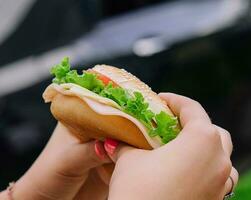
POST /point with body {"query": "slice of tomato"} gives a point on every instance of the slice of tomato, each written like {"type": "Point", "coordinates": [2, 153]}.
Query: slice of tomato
{"type": "Point", "coordinates": [106, 80]}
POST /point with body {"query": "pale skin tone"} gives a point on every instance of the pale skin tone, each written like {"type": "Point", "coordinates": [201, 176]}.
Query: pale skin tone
{"type": "Point", "coordinates": [66, 169]}
{"type": "Point", "coordinates": [194, 166]}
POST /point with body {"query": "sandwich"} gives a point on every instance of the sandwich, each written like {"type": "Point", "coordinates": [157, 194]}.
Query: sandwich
{"type": "Point", "coordinates": [108, 102]}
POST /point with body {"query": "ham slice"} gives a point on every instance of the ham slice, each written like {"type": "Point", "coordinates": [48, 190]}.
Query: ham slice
{"type": "Point", "coordinates": [100, 105]}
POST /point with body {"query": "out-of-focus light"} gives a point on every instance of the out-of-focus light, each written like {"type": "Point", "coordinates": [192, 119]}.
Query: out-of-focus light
{"type": "Point", "coordinates": [12, 12]}
{"type": "Point", "coordinates": [148, 46]}
{"type": "Point", "coordinates": [228, 12]}
{"type": "Point", "coordinates": [173, 22]}
{"type": "Point", "coordinates": [31, 70]}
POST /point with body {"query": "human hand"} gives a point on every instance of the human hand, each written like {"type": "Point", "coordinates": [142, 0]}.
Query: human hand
{"type": "Point", "coordinates": [194, 166]}
{"type": "Point", "coordinates": [66, 169]}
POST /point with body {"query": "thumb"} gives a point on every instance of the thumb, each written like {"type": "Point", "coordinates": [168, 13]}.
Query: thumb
{"type": "Point", "coordinates": [115, 150]}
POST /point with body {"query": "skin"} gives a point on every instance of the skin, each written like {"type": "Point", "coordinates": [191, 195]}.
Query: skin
{"type": "Point", "coordinates": [68, 171]}
{"type": "Point", "coordinates": [195, 166]}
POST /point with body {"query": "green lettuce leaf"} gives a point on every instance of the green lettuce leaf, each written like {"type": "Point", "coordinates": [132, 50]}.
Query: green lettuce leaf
{"type": "Point", "coordinates": [60, 71]}
{"type": "Point", "coordinates": [137, 107]}
{"type": "Point", "coordinates": [63, 74]}
{"type": "Point", "coordinates": [117, 94]}
{"type": "Point", "coordinates": [162, 124]}
{"type": "Point", "coordinates": [167, 127]}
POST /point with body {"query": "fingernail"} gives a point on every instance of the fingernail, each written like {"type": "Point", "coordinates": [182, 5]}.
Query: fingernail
{"type": "Point", "coordinates": [110, 145]}
{"type": "Point", "coordinates": [99, 149]}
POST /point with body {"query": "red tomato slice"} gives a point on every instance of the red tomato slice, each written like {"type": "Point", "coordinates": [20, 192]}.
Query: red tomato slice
{"type": "Point", "coordinates": [106, 80]}
{"type": "Point", "coordinates": [103, 78]}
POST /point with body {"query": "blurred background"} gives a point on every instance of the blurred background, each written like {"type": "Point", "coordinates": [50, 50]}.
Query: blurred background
{"type": "Point", "coordinates": [197, 48]}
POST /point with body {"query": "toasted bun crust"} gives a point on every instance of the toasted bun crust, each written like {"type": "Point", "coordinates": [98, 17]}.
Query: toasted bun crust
{"type": "Point", "coordinates": [86, 124]}
{"type": "Point", "coordinates": [130, 82]}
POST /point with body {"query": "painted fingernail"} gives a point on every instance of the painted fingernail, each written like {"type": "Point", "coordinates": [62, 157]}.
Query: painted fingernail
{"type": "Point", "coordinates": [110, 145]}
{"type": "Point", "coordinates": [99, 149]}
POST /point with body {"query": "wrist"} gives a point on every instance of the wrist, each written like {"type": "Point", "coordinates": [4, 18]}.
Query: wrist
{"type": "Point", "coordinates": [4, 195]}
{"type": "Point", "coordinates": [24, 189]}
{"type": "Point", "coordinates": [8, 193]}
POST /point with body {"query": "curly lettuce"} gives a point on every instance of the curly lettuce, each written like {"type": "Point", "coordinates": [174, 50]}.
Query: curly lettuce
{"type": "Point", "coordinates": [162, 124]}
{"type": "Point", "coordinates": [167, 127]}
{"type": "Point", "coordinates": [117, 94]}
{"type": "Point", "coordinates": [63, 74]}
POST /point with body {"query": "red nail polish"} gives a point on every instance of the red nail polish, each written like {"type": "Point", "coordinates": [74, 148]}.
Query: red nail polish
{"type": "Point", "coordinates": [110, 145]}
{"type": "Point", "coordinates": [99, 149]}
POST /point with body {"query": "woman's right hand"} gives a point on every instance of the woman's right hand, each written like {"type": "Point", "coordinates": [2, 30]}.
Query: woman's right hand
{"type": "Point", "coordinates": [194, 166]}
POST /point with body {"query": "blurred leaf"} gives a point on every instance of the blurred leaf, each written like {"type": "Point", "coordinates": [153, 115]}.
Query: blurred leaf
{"type": "Point", "coordinates": [243, 190]}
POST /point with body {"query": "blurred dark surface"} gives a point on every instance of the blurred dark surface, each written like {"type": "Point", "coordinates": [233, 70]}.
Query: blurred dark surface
{"type": "Point", "coordinates": [176, 46]}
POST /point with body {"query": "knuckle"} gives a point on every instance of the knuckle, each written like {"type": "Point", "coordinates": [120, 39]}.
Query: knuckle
{"type": "Point", "coordinates": [200, 125]}
{"type": "Point", "coordinates": [225, 132]}
{"type": "Point", "coordinates": [229, 138]}
{"type": "Point", "coordinates": [213, 135]}
{"type": "Point", "coordinates": [236, 175]}
{"type": "Point", "coordinates": [210, 130]}
{"type": "Point", "coordinates": [210, 134]}
{"type": "Point", "coordinates": [196, 103]}
{"type": "Point", "coordinates": [191, 102]}
{"type": "Point", "coordinates": [224, 170]}
{"type": "Point", "coordinates": [228, 135]}
{"type": "Point", "coordinates": [206, 134]}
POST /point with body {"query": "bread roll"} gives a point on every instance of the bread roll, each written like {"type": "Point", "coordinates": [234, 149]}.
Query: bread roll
{"type": "Point", "coordinates": [86, 124]}
{"type": "Point", "coordinates": [131, 83]}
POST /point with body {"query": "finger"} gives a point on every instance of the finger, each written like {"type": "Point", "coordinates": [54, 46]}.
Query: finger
{"type": "Point", "coordinates": [115, 149]}
{"type": "Point", "coordinates": [226, 140]}
{"type": "Point", "coordinates": [185, 108]}
{"type": "Point", "coordinates": [61, 168]}
{"type": "Point", "coordinates": [93, 188]}
{"type": "Point", "coordinates": [100, 151]}
{"type": "Point", "coordinates": [105, 172]}
{"type": "Point", "coordinates": [70, 156]}
{"type": "Point", "coordinates": [76, 159]}
{"type": "Point", "coordinates": [120, 151]}
{"type": "Point", "coordinates": [229, 186]}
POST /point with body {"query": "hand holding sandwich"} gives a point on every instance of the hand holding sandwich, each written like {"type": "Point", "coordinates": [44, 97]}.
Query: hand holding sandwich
{"type": "Point", "coordinates": [106, 103]}
{"type": "Point", "coordinates": [194, 166]}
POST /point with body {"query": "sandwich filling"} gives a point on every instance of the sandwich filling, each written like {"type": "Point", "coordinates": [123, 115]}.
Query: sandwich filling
{"type": "Point", "coordinates": [160, 125]}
